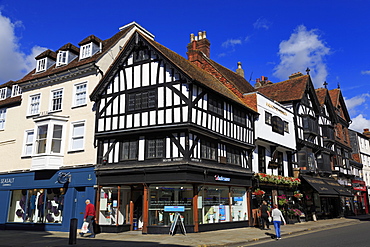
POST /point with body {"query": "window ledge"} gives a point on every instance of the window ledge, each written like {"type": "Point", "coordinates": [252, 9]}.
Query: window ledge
{"type": "Point", "coordinates": [76, 151]}
{"type": "Point", "coordinates": [78, 106]}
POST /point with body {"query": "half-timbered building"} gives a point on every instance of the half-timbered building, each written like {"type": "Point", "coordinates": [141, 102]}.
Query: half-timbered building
{"type": "Point", "coordinates": [170, 135]}
{"type": "Point", "coordinates": [314, 152]}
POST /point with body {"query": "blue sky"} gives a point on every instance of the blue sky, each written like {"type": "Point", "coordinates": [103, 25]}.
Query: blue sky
{"type": "Point", "coordinates": [271, 38]}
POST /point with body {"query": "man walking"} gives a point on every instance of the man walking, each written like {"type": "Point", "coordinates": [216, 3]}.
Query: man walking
{"type": "Point", "coordinates": [89, 217]}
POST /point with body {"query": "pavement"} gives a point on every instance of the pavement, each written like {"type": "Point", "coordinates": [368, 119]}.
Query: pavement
{"type": "Point", "coordinates": [230, 237]}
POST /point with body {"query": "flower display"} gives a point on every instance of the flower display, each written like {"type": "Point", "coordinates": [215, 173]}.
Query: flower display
{"type": "Point", "coordinates": [259, 192]}
{"type": "Point", "coordinates": [282, 200]}
{"type": "Point", "coordinates": [294, 212]}
{"type": "Point", "coordinates": [297, 194]}
{"type": "Point", "coordinates": [278, 179]}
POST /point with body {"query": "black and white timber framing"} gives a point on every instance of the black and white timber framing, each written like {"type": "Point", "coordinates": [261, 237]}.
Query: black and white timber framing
{"type": "Point", "coordinates": [155, 106]}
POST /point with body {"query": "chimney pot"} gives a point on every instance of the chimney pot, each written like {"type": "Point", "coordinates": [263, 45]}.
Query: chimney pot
{"type": "Point", "coordinates": [192, 37]}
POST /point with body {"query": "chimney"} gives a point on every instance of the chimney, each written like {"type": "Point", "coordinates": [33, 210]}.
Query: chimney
{"type": "Point", "coordinates": [198, 46]}
{"type": "Point", "coordinates": [239, 70]}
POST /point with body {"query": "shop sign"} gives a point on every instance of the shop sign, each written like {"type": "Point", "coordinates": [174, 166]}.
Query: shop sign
{"type": "Point", "coordinates": [221, 178]}
{"type": "Point", "coordinates": [174, 208]}
{"type": "Point", "coordinates": [358, 185]}
{"type": "Point", "coordinates": [7, 181]}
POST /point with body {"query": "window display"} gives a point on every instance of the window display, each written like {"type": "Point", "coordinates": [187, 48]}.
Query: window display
{"type": "Point", "coordinates": [218, 204]}
{"type": "Point", "coordinates": [114, 205]}
{"type": "Point", "coordinates": [37, 205]}
{"type": "Point", "coordinates": [170, 195]}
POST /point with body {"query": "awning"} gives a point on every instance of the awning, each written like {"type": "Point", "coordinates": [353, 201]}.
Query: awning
{"type": "Point", "coordinates": [343, 191]}
{"type": "Point", "coordinates": [321, 186]}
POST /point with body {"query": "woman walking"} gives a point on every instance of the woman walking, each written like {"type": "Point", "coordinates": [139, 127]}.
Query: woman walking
{"type": "Point", "coordinates": [277, 217]}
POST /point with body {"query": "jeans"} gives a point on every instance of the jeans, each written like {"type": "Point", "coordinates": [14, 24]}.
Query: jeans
{"type": "Point", "coordinates": [277, 228]}
{"type": "Point", "coordinates": [90, 220]}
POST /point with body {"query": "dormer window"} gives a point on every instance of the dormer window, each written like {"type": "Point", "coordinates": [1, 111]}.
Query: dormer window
{"type": "Point", "coordinates": [16, 90]}
{"type": "Point", "coordinates": [62, 58]}
{"type": "Point", "coordinates": [3, 93]}
{"type": "Point", "coordinates": [86, 51]}
{"type": "Point", "coordinates": [41, 65]}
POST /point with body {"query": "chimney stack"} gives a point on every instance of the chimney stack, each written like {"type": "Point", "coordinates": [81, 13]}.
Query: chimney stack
{"type": "Point", "coordinates": [198, 46]}
{"type": "Point", "coordinates": [239, 70]}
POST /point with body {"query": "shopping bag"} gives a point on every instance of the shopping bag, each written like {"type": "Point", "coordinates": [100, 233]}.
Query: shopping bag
{"type": "Point", "coordinates": [270, 219]}
{"type": "Point", "coordinates": [84, 228]}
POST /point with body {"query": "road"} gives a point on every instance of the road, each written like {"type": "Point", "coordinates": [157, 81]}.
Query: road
{"type": "Point", "coordinates": [355, 235]}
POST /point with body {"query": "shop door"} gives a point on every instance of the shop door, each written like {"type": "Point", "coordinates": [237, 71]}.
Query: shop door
{"type": "Point", "coordinates": [79, 201]}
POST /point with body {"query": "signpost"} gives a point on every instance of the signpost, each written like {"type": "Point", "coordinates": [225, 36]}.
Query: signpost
{"type": "Point", "coordinates": [177, 219]}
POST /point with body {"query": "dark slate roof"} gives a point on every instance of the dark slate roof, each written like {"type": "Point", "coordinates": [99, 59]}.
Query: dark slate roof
{"type": "Point", "coordinates": [238, 81]}
{"type": "Point", "coordinates": [47, 53]}
{"type": "Point", "coordinates": [7, 84]}
{"type": "Point", "coordinates": [70, 47]}
{"type": "Point", "coordinates": [76, 62]}
{"type": "Point", "coordinates": [285, 91]}
{"type": "Point", "coordinates": [193, 72]}
{"type": "Point", "coordinates": [91, 38]}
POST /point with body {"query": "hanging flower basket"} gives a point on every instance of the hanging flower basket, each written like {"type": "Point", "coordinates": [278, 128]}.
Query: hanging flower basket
{"type": "Point", "coordinates": [259, 192]}
{"type": "Point", "coordinates": [298, 195]}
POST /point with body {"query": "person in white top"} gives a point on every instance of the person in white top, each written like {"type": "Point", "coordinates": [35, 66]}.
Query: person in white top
{"type": "Point", "coordinates": [277, 217]}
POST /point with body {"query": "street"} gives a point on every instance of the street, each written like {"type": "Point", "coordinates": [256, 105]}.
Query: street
{"type": "Point", "coordinates": [353, 235]}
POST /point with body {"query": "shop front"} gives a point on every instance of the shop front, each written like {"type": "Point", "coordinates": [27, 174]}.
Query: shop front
{"type": "Point", "coordinates": [361, 202]}
{"type": "Point", "coordinates": [45, 200]}
{"type": "Point", "coordinates": [280, 190]}
{"type": "Point", "coordinates": [136, 199]}
{"type": "Point", "coordinates": [326, 198]}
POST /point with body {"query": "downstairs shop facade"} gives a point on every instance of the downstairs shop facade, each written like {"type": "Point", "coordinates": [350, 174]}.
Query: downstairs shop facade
{"type": "Point", "coordinates": [45, 200]}
{"type": "Point", "coordinates": [136, 199]}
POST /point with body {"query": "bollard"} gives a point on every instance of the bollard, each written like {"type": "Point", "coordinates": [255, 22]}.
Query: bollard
{"type": "Point", "coordinates": [73, 231]}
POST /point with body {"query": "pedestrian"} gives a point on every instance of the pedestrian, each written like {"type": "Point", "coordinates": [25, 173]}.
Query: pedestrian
{"type": "Point", "coordinates": [89, 217]}
{"type": "Point", "coordinates": [277, 217]}
{"type": "Point", "coordinates": [265, 214]}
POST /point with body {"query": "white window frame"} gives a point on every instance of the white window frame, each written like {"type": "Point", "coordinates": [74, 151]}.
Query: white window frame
{"type": "Point", "coordinates": [50, 138]}
{"type": "Point", "coordinates": [3, 93]}
{"type": "Point", "coordinates": [86, 51]}
{"type": "Point", "coordinates": [62, 58]}
{"type": "Point", "coordinates": [77, 93]}
{"type": "Point", "coordinates": [28, 143]}
{"type": "Point", "coordinates": [2, 118]}
{"type": "Point", "coordinates": [31, 104]}
{"type": "Point", "coordinates": [16, 90]}
{"type": "Point", "coordinates": [52, 94]}
{"type": "Point", "coordinates": [41, 65]}
{"type": "Point", "coordinates": [74, 137]}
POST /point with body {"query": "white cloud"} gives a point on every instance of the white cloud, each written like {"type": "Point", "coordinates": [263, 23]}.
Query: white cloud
{"type": "Point", "coordinates": [365, 72]}
{"type": "Point", "coordinates": [359, 123]}
{"type": "Point", "coordinates": [262, 23]}
{"type": "Point", "coordinates": [232, 43]}
{"type": "Point", "coordinates": [14, 63]}
{"type": "Point", "coordinates": [303, 49]}
{"type": "Point", "coordinates": [356, 101]}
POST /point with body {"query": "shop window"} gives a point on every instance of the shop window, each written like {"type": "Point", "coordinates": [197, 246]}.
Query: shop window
{"type": "Point", "coordinates": [213, 204]}
{"type": "Point", "coordinates": [170, 195]}
{"type": "Point", "coordinates": [238, 204]}
{"type": "Point", "coordinates": [37, 206]}
{"type": "Point", "coordinates": [114, 205]}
